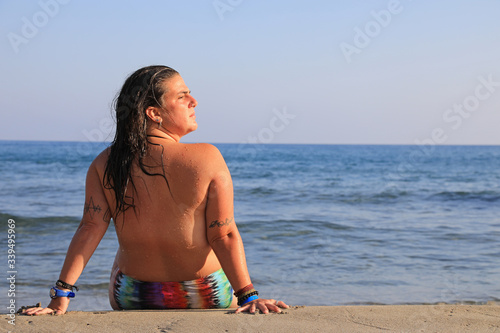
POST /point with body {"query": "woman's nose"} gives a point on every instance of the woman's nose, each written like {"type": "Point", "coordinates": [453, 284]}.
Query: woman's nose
{"type": "Point", "coordinates": [194, 102]}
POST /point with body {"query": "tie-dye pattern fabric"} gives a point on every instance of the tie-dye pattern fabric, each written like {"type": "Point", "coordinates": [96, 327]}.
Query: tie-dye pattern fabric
{"type": "Point", "coordinates": [211, 292]}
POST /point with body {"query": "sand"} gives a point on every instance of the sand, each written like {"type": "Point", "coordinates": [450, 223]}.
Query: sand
{"type": "Point", "coordinates": [378, 318]}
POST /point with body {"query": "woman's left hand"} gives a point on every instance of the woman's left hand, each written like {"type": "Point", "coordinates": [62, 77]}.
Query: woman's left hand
{"type": "Point", "coordinates": [264, 305]}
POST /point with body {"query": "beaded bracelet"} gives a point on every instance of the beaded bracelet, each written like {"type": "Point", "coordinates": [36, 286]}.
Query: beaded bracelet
{"type": "Point", "coordinates": [246, 293]}
{"type": "Point", "coordinates": [244, 299]}
{"type": "Point", "coordinates": [249, 299]}
{"type": "Point", "coordinates": [65, 285]}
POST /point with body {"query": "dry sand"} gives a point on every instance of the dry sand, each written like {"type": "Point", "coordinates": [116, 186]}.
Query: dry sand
{"type": "Point", "coordinates": [379, 318]}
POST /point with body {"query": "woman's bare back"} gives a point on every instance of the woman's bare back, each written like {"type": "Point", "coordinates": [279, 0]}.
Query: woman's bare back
{"type": "Point", "coordinates": [164, 238]}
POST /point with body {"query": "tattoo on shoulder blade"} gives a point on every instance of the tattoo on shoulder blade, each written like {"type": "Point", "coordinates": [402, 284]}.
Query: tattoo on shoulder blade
{"type": "Point", "coordinates": [91, 208]}
{"type": "Point", "coordinates": [218, 223]}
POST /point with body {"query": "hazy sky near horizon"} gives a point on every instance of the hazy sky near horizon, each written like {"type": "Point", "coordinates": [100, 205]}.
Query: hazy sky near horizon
{"type": "Point", "coordinates": [334, 72]}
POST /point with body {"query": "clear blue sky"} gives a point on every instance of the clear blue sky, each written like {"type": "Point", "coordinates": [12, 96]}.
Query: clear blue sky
{"type": "Point", "coordinates": [339, 72]}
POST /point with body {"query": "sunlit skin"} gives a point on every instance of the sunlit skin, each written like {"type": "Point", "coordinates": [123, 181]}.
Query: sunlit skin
{"type": "Point", "coordinates": [176, 241]}
{"type": "Point", "coordinates": [176, 115]}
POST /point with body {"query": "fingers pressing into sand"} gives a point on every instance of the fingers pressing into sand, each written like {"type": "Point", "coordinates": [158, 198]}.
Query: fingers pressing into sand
{"type": "Point", "coordinates": [39, 311]}
{"type": "Point", "coordinates": [282, 304]}
{"type": "Point", "coordinates": [56, 307]}
{"type": "Point", "coordinates": [36, 310]}
{"type": "Point", "coordinates": [264, 305]}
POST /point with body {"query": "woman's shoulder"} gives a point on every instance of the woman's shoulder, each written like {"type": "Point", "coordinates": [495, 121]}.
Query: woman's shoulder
{"type": "Point", "coordinates": [203, 149]}
{"type": "Point", "coordinates": [206, 156]}
{"type": "Point", "coordinates": [100, 161]}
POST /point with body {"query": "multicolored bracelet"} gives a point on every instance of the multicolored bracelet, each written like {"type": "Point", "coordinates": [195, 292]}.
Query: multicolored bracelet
{"type": "Point", "coordinates": [249, 299]}
{"type": "Point", "coordinates": [243, 290]}
{"type": "Point", "coordinates": [247, 294]}
{"type": "Point", "coordinates": [244, 298]}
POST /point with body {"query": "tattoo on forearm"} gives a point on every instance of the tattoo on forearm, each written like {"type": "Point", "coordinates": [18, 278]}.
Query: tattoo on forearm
{"type": "Point", "coordinates": [218, 223]}
{"type": "Point", "coordinates": [91, 208]}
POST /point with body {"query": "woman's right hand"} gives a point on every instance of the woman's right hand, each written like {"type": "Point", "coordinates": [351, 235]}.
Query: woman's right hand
{"type": "Point", "coordinates": [57, 306]}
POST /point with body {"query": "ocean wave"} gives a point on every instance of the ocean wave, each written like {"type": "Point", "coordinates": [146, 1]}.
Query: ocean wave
{"type": "Point", "coordinates": [259, 191]}
{"type": "Point", "coordinates": [372, 198]}
{"type": "Point", "coordinates": [300, 226]}
{"type": "Point", "coordinates": [43, 283]}
{"type": "Point", "coordinates": [30, 220]}
{"type": "Point", "coordinates": [486, 196]}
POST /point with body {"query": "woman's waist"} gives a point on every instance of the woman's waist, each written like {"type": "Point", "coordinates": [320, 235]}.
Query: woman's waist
{"type": "Point", "coordinates": [163, 267]}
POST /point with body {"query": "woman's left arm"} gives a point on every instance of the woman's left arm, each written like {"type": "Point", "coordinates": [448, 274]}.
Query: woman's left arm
{"type": "Point", "coordinates": [223, 235]}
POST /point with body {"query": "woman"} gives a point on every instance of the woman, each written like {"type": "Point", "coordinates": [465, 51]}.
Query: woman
{"type": "Point", "coordinates": [172, 205]}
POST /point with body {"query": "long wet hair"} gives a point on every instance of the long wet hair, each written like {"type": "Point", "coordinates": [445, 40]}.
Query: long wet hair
{"type": "Point", "coordinates": [141, 90]}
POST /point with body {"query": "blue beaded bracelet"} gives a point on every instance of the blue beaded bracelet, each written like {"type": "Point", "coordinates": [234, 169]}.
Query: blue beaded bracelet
{"type": "Point", "coordinates": [249, 299]}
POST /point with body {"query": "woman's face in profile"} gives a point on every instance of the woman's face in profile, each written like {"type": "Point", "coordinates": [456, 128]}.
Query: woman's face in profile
{"type": "Point", "coordinates": [178, 107]}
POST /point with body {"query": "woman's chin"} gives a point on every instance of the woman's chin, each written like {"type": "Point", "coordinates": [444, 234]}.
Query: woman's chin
{"type": "Point", "coordinates": [192, 128]}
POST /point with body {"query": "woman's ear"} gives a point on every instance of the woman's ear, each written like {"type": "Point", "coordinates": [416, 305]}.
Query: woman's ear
{"type": "Point", "coordinates": [153, 114]}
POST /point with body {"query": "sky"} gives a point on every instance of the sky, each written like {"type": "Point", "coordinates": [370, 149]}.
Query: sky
{"type": "Point", "coordinates": [313, 72]}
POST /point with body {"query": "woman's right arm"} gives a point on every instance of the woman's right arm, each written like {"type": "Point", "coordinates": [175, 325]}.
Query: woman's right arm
{"type": "Point", "coordinates": [92, 228]}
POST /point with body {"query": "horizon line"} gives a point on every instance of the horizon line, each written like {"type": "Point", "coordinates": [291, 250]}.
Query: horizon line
{"type": "Point", "coordinates": [277, 143]}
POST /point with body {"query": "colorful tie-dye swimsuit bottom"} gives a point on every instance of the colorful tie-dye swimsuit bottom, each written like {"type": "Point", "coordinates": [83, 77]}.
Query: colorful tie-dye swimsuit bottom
{"type": "Point", "coordinates": [212, 291]}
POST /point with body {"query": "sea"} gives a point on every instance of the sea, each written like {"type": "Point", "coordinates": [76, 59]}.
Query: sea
{"type": "Point", "coordinates": [321, 224]}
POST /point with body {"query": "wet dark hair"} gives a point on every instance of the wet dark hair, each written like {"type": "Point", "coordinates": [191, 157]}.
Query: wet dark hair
{"type": "Point", "coordinates": [141, 90]}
